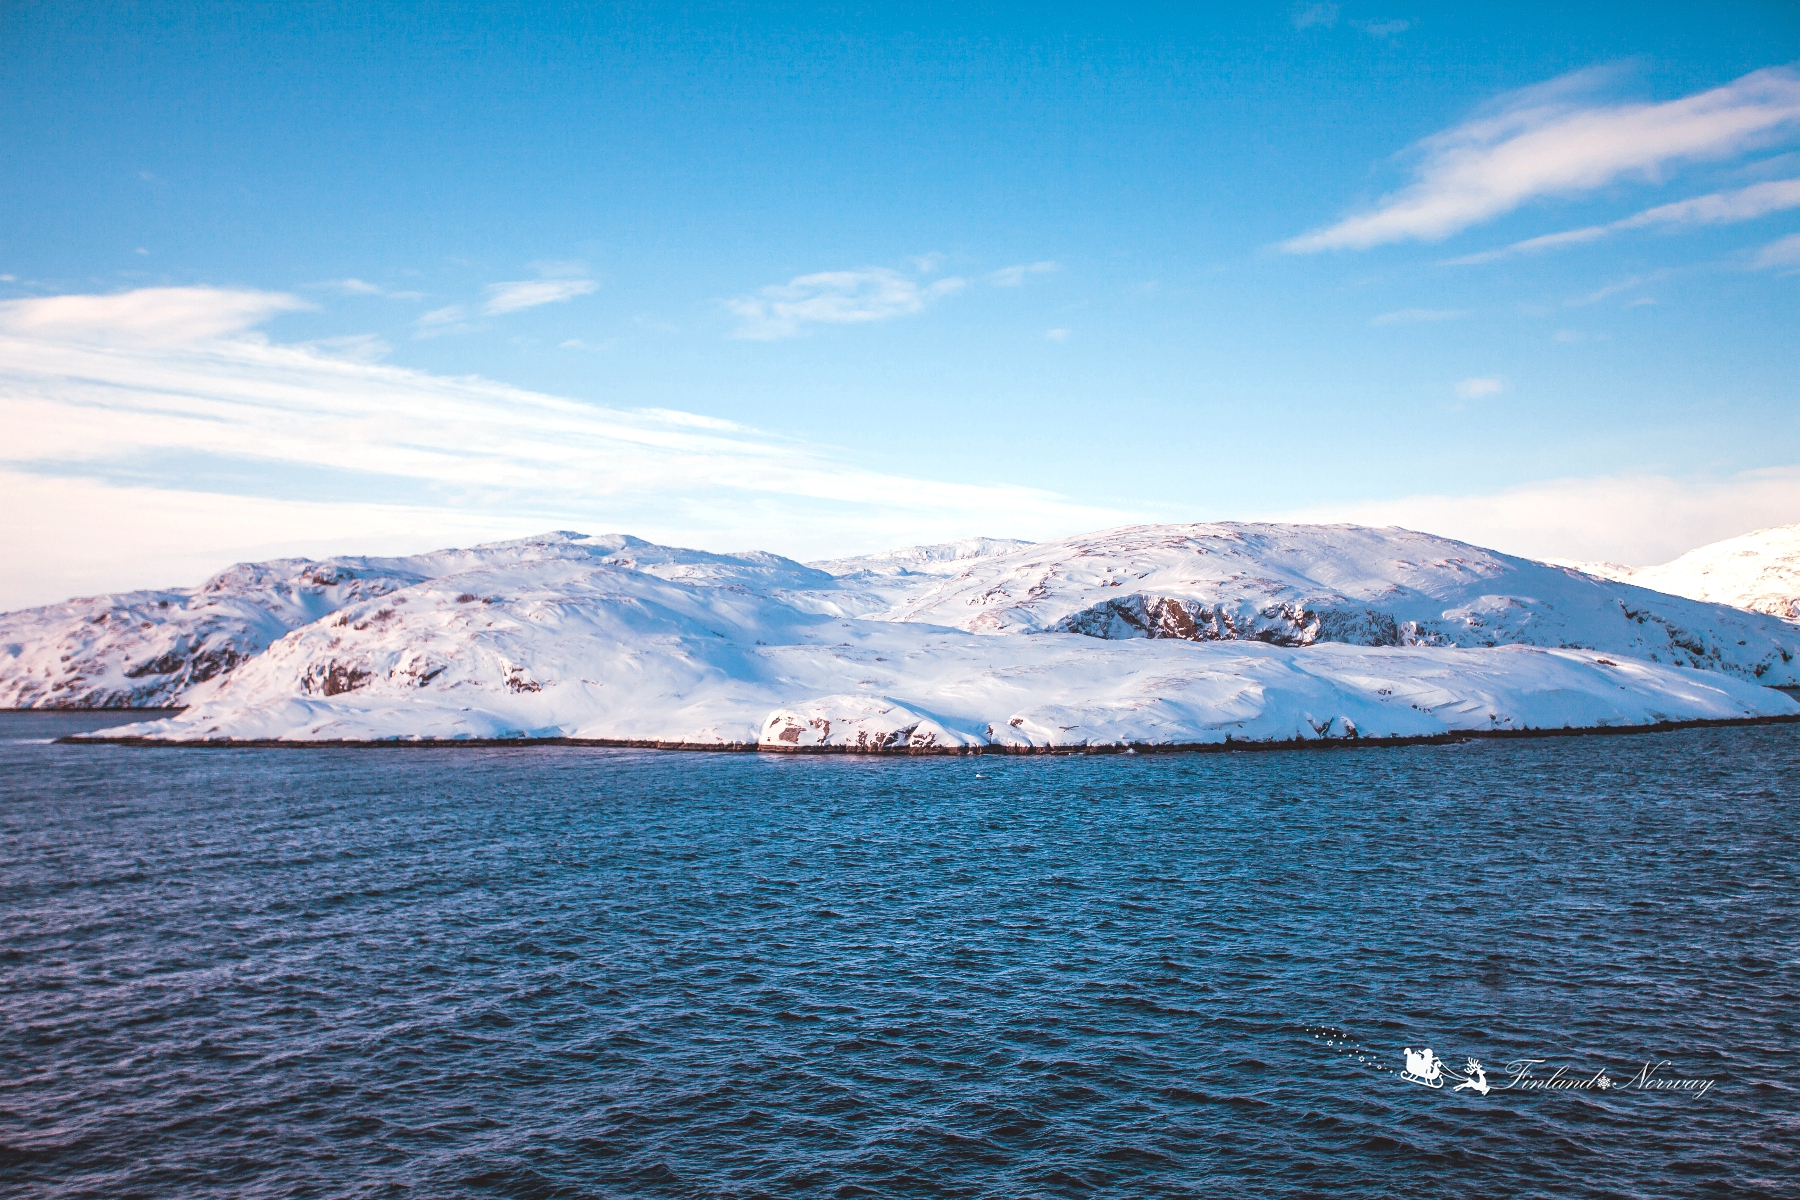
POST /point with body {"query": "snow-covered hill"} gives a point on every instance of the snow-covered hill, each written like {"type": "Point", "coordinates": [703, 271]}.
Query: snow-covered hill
{"type": "Point", "coordinates": [1298, 585]}
{"type": "Point", "coordinates": [1759, 571]}
{"type": "Point", "coordinates": [593, 650]}
{"type": "Point", "coordinates": [876, 583]}
{"type": "Point", "coordinates": [1151, 635]}
{"type": "Point", "coordinates": [152, 649]}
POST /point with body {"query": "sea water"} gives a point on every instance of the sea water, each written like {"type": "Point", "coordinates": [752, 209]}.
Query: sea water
{"type": "Point", "coordinates": [576, 972]}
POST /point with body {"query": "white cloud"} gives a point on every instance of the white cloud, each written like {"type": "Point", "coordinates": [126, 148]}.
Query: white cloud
{"type": "Point", "coordinates": [1382, 29]}
{"type": "Point", "coordinates": [529, 293]}
{"type": "Point", "coordinates": [449, 319]}
{"type": "Point", "coordinates": [359, 347]}
{"type": "Point", "coordinates": [1014, 276]}
{"type": "Point", "coordinates": [1413, 316]}
{"type": "Point", "coordinates": [362, 287]}
{"type": "Point", "coordinates": [1783, 252]}
{"type": "Point", "coordinates": [149, 315]}
{"type": "Point", "coordinates": [1717, 208]}
{"type": "Point", "coordinates": [1470, 389]}
{"type": "Point", "coordinates": [1611, 289]}
{"type": "Point", "coordinates": [154, 425]}
{"type": "Point", "coordinates": [1316, 14]}
{"type": "Point", "coordinates": [835, 298]}
{"type": "Point", "coordinates": [1545, 142]}
{"type": "Point", "coordinates": [1058, 335]}
{"type": "Point", "coordinates": [1637, 519]}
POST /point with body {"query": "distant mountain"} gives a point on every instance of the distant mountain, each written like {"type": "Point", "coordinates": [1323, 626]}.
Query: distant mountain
{"type": "Point", "coordinates": [1759, 571]}
{"type": "Point", "coordinates": [1298, 585]}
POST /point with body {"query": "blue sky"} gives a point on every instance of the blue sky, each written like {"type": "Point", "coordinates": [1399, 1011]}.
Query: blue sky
{"type": "Point", "coordinates": [916, 272]}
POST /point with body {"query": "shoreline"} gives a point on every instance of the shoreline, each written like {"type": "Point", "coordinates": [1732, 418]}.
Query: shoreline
{"type": "Point", "coordinates": [1228, 745]}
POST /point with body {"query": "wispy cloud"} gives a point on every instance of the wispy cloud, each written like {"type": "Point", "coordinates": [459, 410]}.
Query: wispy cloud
{"type": "Point", "coordinates": [452, 318]}
{"type": "Point", "coordinates": [362, 287]}
{"type": "Point", "coordinates": [1546, 141]}
{"type": "Point", "coordinates": [1716, 208]}
{"type": "Point", "coordinates": [1783, 252]}
{"type": "Point", "coordinates": [168, 411]}
{"type": "Point", "coordinates": [1316, 14]}
{"type": "Point", "coordinates": [146, 316]}
{"type": "Point", "coordinates": [1414, 316]}
{"type": "Point", "coordinates": [1382, 29]}
{"type": "Point", "coordinates": [1016, 275]}
{"type": "Point", "coordinates": [529, 293]}
{"type": "Point", "coordinates": [1058, 335]}
{"type": "Point", "coordinates": [1472, 389]}
{"type": "Point", "coordinates": [858, 297]}
{"type": "Point", "coordinates": [1612, 289]}
{"type": "Point", "coordinates": [835, 298]}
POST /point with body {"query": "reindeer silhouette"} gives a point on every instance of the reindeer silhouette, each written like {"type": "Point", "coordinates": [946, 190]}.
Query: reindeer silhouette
{"type": "Point", "coordinates": [1475, 1080]}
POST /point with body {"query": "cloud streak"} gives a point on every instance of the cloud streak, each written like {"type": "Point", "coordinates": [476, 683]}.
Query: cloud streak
{"type": "Point", "coordinates": [1417, 316]}
{"type": "Point", "coordinates": [1783, 252]}
{"type": "Point", "coordinates": [835, 298]}
{"type": "Point", "coordinates": [1542, 142]}
{"type": "Point", "coordinates": [858, 297]}
{"type": "Point", "coordinates": [1718, 208]}
{"type": "Point", "coordinates": [530, 293]}
{"type": "Point", "coordinates": [173, 392]}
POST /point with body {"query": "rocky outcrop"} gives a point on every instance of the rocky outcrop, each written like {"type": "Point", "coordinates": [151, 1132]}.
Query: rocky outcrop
{"type": "Point", "coordinates": [1287, 624]}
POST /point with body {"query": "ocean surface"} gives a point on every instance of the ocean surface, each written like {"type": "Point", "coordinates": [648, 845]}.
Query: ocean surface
{"type": "Point", "coordinates": [576, 972]}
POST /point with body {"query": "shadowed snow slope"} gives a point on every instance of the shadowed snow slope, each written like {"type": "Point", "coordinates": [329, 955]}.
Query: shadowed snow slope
{"type": "Point", "coordinates": [1759, 571]}
{"type": "Point", "coordinates": [1299, 585]}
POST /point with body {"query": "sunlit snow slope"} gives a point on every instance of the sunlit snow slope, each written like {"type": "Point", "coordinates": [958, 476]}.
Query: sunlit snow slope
{"type": "Point", "coordinates": [1299, 585]}
{"type": "Point", "coordinates": [1759, 571]}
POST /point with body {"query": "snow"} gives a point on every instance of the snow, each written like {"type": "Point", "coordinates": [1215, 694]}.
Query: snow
{"type": "Point", "coordinates": [1759, 571]}
{"type": "Point", "coordinates": [616, 639]}
{"type": "Point", "coordinates": [1298, 585]}
{"type": "Point", "coordinates": [151, 649]}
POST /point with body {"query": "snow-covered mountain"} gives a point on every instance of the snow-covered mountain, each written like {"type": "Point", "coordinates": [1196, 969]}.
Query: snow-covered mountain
{"type": "Point", "coordinates": [1759, 571]}
{"type": "Point", "coordinates": [151, 649]}
{"type": "Point", "coordinates": [1298, 585]}
{"type": "Point", "coordinates": [1153, 635]}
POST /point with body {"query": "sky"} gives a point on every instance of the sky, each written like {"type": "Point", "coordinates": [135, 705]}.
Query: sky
{"type": "Point", "coordinates": [823, 280]}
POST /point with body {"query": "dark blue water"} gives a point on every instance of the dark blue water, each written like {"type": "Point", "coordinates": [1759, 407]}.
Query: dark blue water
{"type": "Point", "coordinates": [573, 972]}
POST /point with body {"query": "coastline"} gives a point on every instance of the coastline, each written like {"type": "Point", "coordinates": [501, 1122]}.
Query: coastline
{"type": "Point", "coordinates": [1228, 745]}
